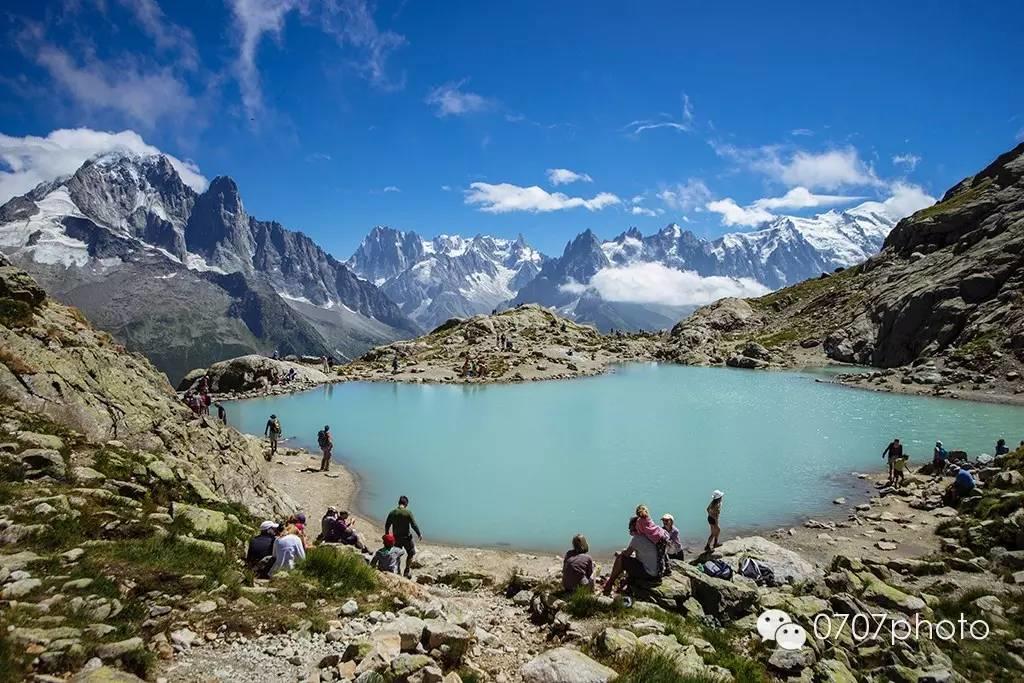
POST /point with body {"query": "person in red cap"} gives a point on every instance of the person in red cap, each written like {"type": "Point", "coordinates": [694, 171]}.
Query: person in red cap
{"type": "Point", "coordinates": [388, 558]}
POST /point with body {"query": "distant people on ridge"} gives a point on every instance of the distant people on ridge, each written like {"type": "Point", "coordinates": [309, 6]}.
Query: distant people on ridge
{"type": "Point", "coordinates": [273, 432]}
{"type": "Point", "coordinates": [714, 511]}
{"type": "Point", "coordinates": [893, 451]}
{"type": "Point", "coordinates": [326, 443]}
{"type": "Point", "coordinates": [403, 523]}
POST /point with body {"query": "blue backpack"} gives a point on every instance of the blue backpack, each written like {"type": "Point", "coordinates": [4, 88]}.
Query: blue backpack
{"type": "Point", "coordinates": [717, 569]}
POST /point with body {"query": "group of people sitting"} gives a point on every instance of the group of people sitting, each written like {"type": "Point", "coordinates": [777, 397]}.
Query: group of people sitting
{"type": "Point", "coordinates": [645, 559]}
{"type": "Point", "coordinates": [944, 462]}
{"type": "Point", "coordinates": [282, 546]}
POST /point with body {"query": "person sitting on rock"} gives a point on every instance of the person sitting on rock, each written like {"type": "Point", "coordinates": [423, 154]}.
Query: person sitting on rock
{"type": "Point", "coordinates": [655, 534]}
{"type": "Point", "coordinates": [330, 530]}
{"type": "Point", "coordinates": [1001, 447]}
{"type": "Point", "coordinates": [388, 558]}
{"type": "Point", "coordinates": [962, 486]}
{"type": "Point", "coordinates": [578, 566]}
{"type": "Point", "coordinates": [288, 549]}
{"type": "Point", "coordinates": [638, 560]}
{"type": "Point", "coordinates": [675, 547]}
{"type": "Point", "coordinates": [259, 556]}
{"type": "Point", "coordinates": [348, 533]}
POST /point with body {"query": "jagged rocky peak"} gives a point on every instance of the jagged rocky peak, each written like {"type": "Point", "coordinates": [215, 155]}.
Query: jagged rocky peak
{"type": "Point", "coordinates": [218, 228]}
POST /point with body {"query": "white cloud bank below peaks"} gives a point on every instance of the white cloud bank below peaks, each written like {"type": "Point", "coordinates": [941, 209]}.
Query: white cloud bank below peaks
{"type": "Point", "coordinates": [506, 198]}
{"type": "Point", "coordinates": [654, 283]}
{"type": "Point", "coordinates": [27, 161]}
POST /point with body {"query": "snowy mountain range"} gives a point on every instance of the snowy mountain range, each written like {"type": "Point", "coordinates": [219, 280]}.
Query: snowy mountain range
{"type": "Point", "coordinates": [185, 277]}
{"type": "Point", "coordinates": [447, 276]}
{"type": "Point", "coordinates": [649, 281]}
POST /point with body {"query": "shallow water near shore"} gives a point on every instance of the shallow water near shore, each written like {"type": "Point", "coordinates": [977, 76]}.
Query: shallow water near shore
{"type": "Point", "coordinates": [529, 465]}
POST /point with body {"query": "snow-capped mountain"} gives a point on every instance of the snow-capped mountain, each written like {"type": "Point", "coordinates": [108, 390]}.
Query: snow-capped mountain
{"type": "Point", "coordinates": [785, 250]}
{"type": "Point", "coordinates": [187, 277]}
{"type": "Point", "coordinates": [447, 276]}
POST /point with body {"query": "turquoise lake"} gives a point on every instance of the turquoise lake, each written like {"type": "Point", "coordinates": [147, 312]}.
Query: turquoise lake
{"type": "Point", "coordinates": [529, 465]}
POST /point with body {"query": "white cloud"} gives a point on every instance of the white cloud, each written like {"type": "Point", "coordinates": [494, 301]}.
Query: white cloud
{"type": "Point", "coordinates": [689, 196]}
{"type": "Point", "coordinates": [650, 283]}
{"type": "Point", "coordinates": [27, 161]}
{"type": "Point", "coordinates": [506, 198]}
{"type": "Point", "coordinates": [910, 161]}
{"type": "Point", "coordinates": [563, 176]}
{"type": "Point", "coordinates": [350, 22]}
{"type": "Point", "coordinates": [734, 214]}
{"type": "Point", "coordinates": [446, 188]}
{"type": "Point", "coordinates": [642, 211]}
{"type": "Point", "coordinates": [450, 100]}
{"type": "Point", "coordinates": [684, 123]}
{"type": "Point", "coordinates": [167, 36]}
{"type": "Point", "coordinates": [829, 170]}
{"type": "Point", "coordinates": [802, 198]}
{"type": "Point", "coordinates": [798, 132]}
{"type": "Point", "coordinates": [905, 199]}
{"type": "Point", "coordinates": [392, 188]}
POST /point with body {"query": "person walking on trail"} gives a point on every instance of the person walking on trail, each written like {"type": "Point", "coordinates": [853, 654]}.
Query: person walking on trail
{"type": "Point", "coordinates": [402, 522]}
{"type": "Point", "coordinates": [893, 451]}
{"type": "Point", "coordinates": [714, 511]}
{"type": "Point", "coordinates": [272, 432]}
{"type": "Point", "coordinates": [326, 443]}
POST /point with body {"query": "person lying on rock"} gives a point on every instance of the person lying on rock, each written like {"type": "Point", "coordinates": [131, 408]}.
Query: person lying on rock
{"type": "Point", "coordinates": [578, 566]}
{"type": "Point", "coordinates": [638, 560]}
{"type": "Point", "coordinates": [388, 558]}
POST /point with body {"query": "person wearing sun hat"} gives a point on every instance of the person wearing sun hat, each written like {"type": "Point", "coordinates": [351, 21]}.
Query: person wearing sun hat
{"type": "Point", "coordinates": [675, 547]}
{"type": "Point", "coordinates": [714, 510]}
{"type": "Point", "coordinates": [261, 546]}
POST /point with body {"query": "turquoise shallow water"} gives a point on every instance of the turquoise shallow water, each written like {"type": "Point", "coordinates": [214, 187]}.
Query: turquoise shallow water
{"type": "Point", "coordinates": [529, 465]}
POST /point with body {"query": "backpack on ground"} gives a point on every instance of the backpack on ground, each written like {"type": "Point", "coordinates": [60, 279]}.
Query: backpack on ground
{"type": "Point", "coordinates": [321, 438]}
{"type": "Point", "coordinates": [761, 573]}
{"type": "Point", "coordinates": [718, 569]}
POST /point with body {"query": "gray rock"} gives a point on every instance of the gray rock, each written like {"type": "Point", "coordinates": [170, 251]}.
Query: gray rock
{"type": "Point", "coordinates": [120, 648]}
{"type": "Point", "coordinates": [565, 665]}
{"type": "Point", "coordinates": [19, 589]}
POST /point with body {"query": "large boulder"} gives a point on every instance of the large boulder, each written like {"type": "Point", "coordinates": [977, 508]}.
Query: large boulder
{"type": "Point", "coordinates": [250, 373]}
{"type": "Point", "coordinates": [787, 565]}
{"type": "Point", "coordinates": [718, 597]}
{"type": "Point", "coordinates": [565, 665]}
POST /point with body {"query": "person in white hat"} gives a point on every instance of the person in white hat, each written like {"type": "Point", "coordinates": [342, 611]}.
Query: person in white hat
{"type": "Point", "coordinates": [675, 547]}
{"type": "Point", "coordinates": [714, 510]}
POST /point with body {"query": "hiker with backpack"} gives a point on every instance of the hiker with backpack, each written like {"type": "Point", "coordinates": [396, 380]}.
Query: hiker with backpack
{"type": "Point", "coordinates": [638, 560]}
{"type": "Point", "coordinates": [714, 510]}
{"type": "Point", "coordinates": [326, 443]}
{"type": "Point", "coordinates": [272, 432]}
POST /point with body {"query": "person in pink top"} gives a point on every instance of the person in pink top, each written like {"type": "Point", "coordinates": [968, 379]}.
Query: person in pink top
{"type": "Point", "coordinates": [646, 527]}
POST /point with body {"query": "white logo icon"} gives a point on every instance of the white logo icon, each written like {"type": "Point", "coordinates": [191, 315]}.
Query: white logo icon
{"type": "Point", "coordinates": [770, 621]}
{"type": "Point", "coordinates": [791, 636]}
{"type": "Point", "coordinates": [774, 624]}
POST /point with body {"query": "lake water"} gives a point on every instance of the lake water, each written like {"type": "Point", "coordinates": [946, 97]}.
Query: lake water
{"type": "Point", "coordinates": [529, 465]}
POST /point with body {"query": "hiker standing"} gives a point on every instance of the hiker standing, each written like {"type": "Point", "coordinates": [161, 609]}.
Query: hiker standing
{"type": "Point", "coordinates": [394, 364]}
{"type": "Point", "coordinates": [714, 511]}
{"type": "Point", "coordinates": [326, 443]}
{"type": "Point", "coordinates": [222, 414]}
{"type": "Point", "coordinates": [272, 432]}
{"type": "Point", "coordinates": [891, 453]}
{"type": "Point", "coordinates": [402, 522]}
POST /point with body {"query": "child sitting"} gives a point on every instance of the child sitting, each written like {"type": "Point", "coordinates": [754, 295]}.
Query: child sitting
{"type": "Point", "coordinates": [646, 527]}
{"type": "Point", "coordinates": [388, 558]}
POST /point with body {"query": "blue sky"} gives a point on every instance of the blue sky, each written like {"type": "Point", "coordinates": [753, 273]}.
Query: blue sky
{"type": "Point", "coordinates": [338, 115]}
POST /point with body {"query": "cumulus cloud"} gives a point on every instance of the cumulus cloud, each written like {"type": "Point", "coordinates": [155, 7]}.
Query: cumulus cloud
{"type": "Point", "coordinates": [734, 214]}
{"type": "Point", "coordinates": [644, 211]}
{"type": "Point", "coordinates": [908, 161]}
{"type": "Point", "coordinates": [655, 283]}
{"type": "Point", "coordinates": [506, 198]}
{"type": "Point", "coordinates": [906, 198]}
{"type": "Point", "coordinates": [392, 188]}
{"type": "Point", "coordinates": [684, 123]}
{"type": "Point", "coordinates": [828, 170]}
{"type": "Point", "coordinates": [689, 196]}
{"type": "Point", "coordinates": [451, 100]}
{"type": "Point", "coordinates": [27, 161]}
{"type": "Point", "coordinates": [563, 176]}
{"type": "Point", "coordinates": [802, 198]}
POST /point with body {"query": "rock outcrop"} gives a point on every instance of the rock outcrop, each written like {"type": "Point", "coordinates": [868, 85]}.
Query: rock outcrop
{"type": "Point", "coordinates": [53, 363]}
{"type": "Point", "coordinates": [254, 373]}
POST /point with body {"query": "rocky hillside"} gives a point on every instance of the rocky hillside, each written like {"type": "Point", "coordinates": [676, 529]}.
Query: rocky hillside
{"type": "Point", "coordinates": [55, 365]}
{"type": "Point", "coordinates": [189, 278]}
{"type": "Point", "coordinates": [945, 296]}
{"type": "Point", "coordinates": [543, 346]}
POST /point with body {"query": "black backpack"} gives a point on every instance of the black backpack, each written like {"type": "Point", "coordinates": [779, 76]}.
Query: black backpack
{"type": "Point", "coordinates": [761, 573]}
{"type": "Point", "coordinates": [718, 569]}
{"type": "Point", "coordinates": [321, 438]}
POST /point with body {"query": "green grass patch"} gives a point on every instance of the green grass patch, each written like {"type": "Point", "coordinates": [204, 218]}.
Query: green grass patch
{"type": "Point", "coordinates": [782, 337]}
{"type": "Point", "coordinates": [342, 573]}
{"type": "Point", "coordinates": [160, 563]}
{"type": "Point", "coordinates": [583, 603]}
{"type": "Point", "coordinates": [987, 659]}
{"type": "Point", "coordinates": [956, 201]}
{"type": "Point", "coordinates": [647, 665]}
